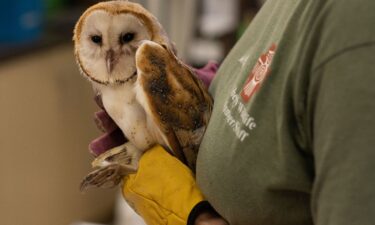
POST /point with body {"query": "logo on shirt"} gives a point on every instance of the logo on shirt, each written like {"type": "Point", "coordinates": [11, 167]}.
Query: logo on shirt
{"type": "Point", "coordinates": [258, 74]}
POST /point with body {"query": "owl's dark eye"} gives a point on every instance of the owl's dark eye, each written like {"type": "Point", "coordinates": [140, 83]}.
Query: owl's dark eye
{"type": "Point", "coordinates": [126, 38]}
{"type": "Point", "coordinates": [96, 39]}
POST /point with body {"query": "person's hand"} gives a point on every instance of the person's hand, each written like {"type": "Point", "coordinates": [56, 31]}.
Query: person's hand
{"type": "Point", "coordinates": [163, 191]}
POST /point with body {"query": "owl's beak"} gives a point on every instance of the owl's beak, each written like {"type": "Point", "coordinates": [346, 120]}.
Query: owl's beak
{"type": "Point", "coordinates": [110, 60]}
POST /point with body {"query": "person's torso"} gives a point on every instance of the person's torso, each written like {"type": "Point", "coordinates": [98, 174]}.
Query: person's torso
{"type": "Point", "coordinates": [255, 164]}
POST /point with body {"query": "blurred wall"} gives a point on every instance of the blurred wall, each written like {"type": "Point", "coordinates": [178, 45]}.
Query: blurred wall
{"type": "Point", "coordinates": [46, 124]}
{"type": "Point", "coordinates": [178, 18]}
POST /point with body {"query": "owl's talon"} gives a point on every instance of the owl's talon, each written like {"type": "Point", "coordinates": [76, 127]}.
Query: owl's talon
{"type": "Point", "coordinates": [105, 177]}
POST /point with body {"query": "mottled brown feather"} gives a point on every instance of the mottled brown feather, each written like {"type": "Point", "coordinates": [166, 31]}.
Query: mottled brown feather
{"type": "Point", "coordinates": [180, 103]}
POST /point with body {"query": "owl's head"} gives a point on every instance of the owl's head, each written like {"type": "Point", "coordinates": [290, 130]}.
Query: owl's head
{"type": "Point", "coordinates": [107, 36]}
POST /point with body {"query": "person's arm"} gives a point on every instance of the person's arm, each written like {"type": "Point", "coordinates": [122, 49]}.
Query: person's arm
{"type": "Point", "coordinates": [209, 218]}
{"type": "Point", "coordinates": [204, 214]}
{"type": "Point", "coordinates": [342, 107]}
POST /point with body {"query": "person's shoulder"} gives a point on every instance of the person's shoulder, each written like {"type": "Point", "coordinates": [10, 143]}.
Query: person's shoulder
{"type": "Point", "coordinates": [355, 17]}
{"type": "Point", "coordinates": [360, 9]}
{"type": "Point", "coordinates": [345, 24]}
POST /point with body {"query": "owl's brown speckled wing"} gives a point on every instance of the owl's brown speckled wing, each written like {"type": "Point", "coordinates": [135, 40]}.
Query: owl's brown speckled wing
{"type": "Point", "coordinates": [174, 99]}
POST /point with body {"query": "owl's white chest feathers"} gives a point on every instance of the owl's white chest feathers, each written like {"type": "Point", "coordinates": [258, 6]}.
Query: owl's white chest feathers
{"type": "Point", "coordinates": [121, 104]}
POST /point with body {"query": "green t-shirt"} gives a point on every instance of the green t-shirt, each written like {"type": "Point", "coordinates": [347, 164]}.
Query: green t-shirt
{"type": "Point", "coordinates": [292, 135]}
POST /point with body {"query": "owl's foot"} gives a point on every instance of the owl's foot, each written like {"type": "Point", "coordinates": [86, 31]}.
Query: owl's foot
{"type": "Point", "coordinates": [126, 154]}
{"type": "Point", "coordinates": [113, 165]}
{"type": "Point", "coordinates": [106, 177]}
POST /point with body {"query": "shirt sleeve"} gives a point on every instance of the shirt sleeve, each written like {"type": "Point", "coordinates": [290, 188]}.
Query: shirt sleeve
{"type": "Point", "coordinates": [342, 106]}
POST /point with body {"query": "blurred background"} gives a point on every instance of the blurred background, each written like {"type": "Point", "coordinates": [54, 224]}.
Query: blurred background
{"type": "Point", "coordinates": [46, 106]}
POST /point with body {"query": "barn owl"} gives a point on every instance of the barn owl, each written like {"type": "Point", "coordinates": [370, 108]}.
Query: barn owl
{"type": "Point", "coordinates": [151, 95]}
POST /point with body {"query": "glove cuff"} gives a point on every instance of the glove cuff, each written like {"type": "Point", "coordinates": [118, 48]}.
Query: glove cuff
{"type": "Point", "coordinates": [203, 206]}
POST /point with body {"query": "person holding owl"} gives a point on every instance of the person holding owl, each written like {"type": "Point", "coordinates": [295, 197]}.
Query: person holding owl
{"type": "Point", "coordinates": [291, 136]}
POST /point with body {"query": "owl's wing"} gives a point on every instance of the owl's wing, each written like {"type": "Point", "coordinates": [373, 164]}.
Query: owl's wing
{"type": "Point", "coordinates": [175, 100]}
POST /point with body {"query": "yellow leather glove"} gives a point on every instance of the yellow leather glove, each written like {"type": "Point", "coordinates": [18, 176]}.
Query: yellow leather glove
{"type": "Point", "coordinates": [163, 191]}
